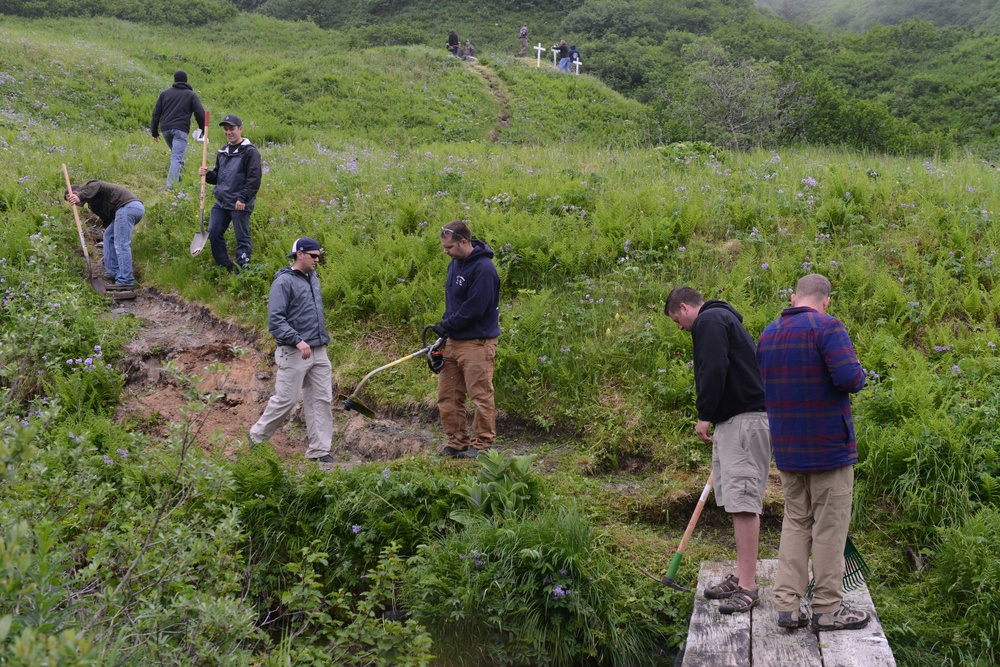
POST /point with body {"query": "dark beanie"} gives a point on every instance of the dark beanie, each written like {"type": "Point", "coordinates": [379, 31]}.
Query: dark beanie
{"type": "Point", "coordinates": [180, 76]}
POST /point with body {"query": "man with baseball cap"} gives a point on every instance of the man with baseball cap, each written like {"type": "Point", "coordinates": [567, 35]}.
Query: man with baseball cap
{"type": "Point", "coordinates": [172, 115]}
{"type": "Point", "coordinates": [295, 319]}
{"type": "Point", "coordinates": [236, 178]}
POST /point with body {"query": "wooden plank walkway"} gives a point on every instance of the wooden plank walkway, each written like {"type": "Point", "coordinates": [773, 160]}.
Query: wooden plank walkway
{"type": "Point", "coordinates": [755, 640]}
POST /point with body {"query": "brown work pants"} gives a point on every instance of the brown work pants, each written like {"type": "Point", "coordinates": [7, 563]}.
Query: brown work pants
{"type": "Point", "coordinates": [468, 369]}
{"type": "Point", "coordinates": [817, 516]}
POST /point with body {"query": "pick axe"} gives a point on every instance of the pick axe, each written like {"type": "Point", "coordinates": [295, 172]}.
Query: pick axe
{"type": "Point", "coordinates": [668, 578]}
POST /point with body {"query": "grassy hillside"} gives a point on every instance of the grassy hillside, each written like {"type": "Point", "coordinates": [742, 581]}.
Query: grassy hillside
{"type": "Point", "coordinates": [859, 15]}
{"type": "Point", "coordinates": [370, 151]}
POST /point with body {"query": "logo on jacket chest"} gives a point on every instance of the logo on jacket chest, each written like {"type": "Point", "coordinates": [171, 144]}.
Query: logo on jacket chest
{"type": "Point", "coordinates": [460, 281]}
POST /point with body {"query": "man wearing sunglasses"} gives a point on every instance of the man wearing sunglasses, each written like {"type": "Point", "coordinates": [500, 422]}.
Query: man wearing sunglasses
{"type": "Point", "coordinates": [295, 319]}
{"type": "Point", "coordinates": [471, 324]}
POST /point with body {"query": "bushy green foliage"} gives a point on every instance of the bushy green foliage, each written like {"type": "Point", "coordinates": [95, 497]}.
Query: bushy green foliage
{"type": "Point", "coordinates": [534, 591]}
{"type": "Point", "coordinates": [174, 12]}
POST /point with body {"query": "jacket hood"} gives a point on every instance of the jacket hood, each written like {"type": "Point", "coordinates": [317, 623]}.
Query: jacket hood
{"type": "Point", "coordinates": [182, 85]}
{"type": "Point", "coordinates": [715, 303]}
{"type": "Point", "coordinates": [479, 249]}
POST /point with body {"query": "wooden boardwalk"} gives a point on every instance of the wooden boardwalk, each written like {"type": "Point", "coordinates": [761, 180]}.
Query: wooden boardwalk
{"type": "Point", "coordinates": [755, 640]}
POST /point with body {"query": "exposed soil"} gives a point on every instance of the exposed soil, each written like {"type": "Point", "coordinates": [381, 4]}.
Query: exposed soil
{"type": "Point", "coordinates": [190, 338]}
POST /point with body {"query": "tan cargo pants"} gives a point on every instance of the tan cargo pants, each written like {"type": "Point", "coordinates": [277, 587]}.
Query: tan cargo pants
{"type": "Point", "coordinates": [468, 370]}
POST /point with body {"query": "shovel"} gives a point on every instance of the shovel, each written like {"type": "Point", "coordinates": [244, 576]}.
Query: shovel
{"type": "Point", "coordinates": [668, 578]}
{"type": "Point", "coordinates": [199, 240]}
{"type": "Point", "coordinates": [95, 282]}
{"type": "Point", "coordinates": [434, 360]}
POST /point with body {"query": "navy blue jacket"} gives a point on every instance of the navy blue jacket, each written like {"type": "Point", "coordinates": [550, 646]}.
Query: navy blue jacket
{"type": "Point", "coordinates": [173, 110]}
{"type": "Point", "coordinates": [472, 295]}
{"type": "Point", "coordinates": [236, 175]}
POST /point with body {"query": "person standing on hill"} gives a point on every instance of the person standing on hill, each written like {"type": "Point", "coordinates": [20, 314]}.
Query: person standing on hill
{"type": "Point", "coordinates": [471, 325]}
{"type": "Point", "coordinates": [574, 56]}
{"type": "Point", "coordinates": [522, 37]}
{"type": "Point", "coordinates": [236, 178]}
{"type": "Point", "coordinates": [172, 115]}
{"type": "Point", "coordinates": [810, 370]}
{"type": "Point", "coordinates": [120, 211]}
{"type": "Point", "coordinates": [295, 319]}
{"type": "Point", "coordinates": [453, 42]}
{"type": "Point", "coordinates": [730, 395]}
{"type": "Point", "coordinates": [563, 55]}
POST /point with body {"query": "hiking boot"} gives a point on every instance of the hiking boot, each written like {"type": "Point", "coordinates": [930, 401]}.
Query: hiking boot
{"type": "Point", "coordinates": [845, 618]}
{"type": "Point", "coordinates": [740, 601]}
{"type": "Point", "coordinates": [326, 458]}
{"type": "Point", "coordinates": [118, 287]}
{"type": "Point", "coordinates": [792, 619]}
{"type": "Point", "coordinates": [468, 452]}
{"type": "Point", "coordinates": [723, 590]}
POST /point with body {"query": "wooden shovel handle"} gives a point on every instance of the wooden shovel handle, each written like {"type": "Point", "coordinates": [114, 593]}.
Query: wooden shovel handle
{"type": "Point", "coordinates": [76, 216]}
{"type": "Point", "coordinates": [204, 160]}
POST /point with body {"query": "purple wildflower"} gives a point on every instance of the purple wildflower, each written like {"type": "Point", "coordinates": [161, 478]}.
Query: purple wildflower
{"type": "Point", "coordinates": [356, 529]}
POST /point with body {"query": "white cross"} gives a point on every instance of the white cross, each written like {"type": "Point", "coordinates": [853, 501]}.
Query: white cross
{"type": "Point", "coordinates": [539, 48]}
{"type": "Point", "coordinates": [578, 63]}
{"type": "Point", "coordinates": [555, 51]}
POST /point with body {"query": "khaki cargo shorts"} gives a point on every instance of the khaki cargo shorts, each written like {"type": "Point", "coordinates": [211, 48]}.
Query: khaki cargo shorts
{"type": "Point", "coordinates": [741, 458]}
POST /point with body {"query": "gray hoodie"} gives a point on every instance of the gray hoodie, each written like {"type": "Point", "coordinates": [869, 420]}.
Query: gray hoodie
{"type": "Point", "coordinates": [295, 309]}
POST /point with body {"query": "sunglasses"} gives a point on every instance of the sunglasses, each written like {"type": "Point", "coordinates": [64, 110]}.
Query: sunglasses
{"type": "Point", "coordinates": [314, 255]}
{"type": "Point", "coordinates": [451, 232]}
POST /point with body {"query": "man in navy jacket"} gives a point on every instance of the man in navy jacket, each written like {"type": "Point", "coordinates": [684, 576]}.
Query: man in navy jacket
{"type": "Point", "coordinates": [472, 325]}
{"type": "Point", "coordinates": [236, 178]}
{"type": "Point", "coordinates": [810, 370]}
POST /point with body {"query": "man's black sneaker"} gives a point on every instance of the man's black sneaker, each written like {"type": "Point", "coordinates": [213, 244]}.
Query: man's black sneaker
{"type": "Point", "coordinates": [326, 458]}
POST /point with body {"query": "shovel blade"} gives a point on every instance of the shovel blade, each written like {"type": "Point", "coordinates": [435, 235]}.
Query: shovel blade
{"type": "Point", "coordinates": [198, 243]}
{"type": "Point", "coordinates": [352, 403]}
{"type": "Point", "coordinates": [98, 285]}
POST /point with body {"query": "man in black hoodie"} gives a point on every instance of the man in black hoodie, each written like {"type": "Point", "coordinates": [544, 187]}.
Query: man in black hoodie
{"type": "Point", "coordinates": [730, 395]}
{"type": "Point", "coordinates": [172, 115]}
{"type": "Point", "coordinates": [471, 324]}
{"type": "Point", "coordinates": [236, 178]}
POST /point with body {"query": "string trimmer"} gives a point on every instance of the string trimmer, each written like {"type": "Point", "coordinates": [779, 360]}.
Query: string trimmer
{"type": "Point", "coordinates": [435, 361]}
{"type": "Point", "coordinates": [668, 578]}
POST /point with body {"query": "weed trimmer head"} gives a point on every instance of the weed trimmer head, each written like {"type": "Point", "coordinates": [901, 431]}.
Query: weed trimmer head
{"type": "Point", "coordinates": [435, 361]}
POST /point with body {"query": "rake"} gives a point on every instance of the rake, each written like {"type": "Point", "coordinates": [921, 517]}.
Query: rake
{"type": "Point", "coordinates": [855, 569]}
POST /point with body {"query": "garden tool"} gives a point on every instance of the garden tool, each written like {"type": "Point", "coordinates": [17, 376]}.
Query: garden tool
{"type": "Point", "coordinates": [855, 569]}
{"type": "Point", "coordinates": [200, 238]}
{"type": "Point", "coordinates": [668, 578]}
{"type": "Point", "coordinates": [435, 361]}
{"type": "Point", "coordinates": [94, 281]}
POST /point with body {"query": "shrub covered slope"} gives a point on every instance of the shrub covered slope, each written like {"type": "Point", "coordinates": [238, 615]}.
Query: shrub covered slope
{"type": "Point", "coordinates": [370, 151]}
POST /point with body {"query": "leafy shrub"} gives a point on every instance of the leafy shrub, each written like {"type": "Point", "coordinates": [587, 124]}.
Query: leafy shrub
{"type": "Point", "coordinates": [539, 591]}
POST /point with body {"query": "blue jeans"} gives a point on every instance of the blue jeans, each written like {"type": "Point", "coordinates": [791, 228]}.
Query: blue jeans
{"type": "Point", "coordinates": [118, 242]}
{"type": "Point", "coordinates": [177, 142]}
{"type": "Point", "coordinates": [564, 65]}
{"type": "Point", "coordinates": [218, 223]}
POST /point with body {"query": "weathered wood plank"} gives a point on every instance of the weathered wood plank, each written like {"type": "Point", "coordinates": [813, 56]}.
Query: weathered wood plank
{"type": "Point", "coordinates": [714, 639]}
{"type": "Point", "coordinates": [867, 647]}
{"type": "Point", "coordinates": [773, 646]}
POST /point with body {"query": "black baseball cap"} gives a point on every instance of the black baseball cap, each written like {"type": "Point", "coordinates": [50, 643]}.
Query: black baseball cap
{"type": "Point", "coordinates": [304, 244]}
{"type": "Point", "coordinates": [232, 119]}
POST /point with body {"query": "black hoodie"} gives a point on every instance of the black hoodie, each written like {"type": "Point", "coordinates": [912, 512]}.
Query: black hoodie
{"type": "Point", "coordinates": [726, 375]}
{"type": "Point", "coordinates": [173, 110]}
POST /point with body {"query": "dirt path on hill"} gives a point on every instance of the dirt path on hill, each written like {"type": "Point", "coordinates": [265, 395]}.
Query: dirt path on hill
{"type": "Point", "coordinates": [500, 93]}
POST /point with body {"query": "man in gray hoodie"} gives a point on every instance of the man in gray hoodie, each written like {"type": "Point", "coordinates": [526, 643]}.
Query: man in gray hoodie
{"type": "Point", "coordinates": [295, 319]}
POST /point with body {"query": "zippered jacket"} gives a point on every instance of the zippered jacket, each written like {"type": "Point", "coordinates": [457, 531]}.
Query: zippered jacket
{"type": "Point", "coordinates": [174, 107]}
{"type": "Point", "coordinates": [472, 296]}
{"type": "Point", "coordinates": [726, 378]}
{"type": "Point", "coordinates": [295, 309]}
{"type": "Point", "coordinates": [236, 175]}
{"type": "Point", "coordinates": [104, 199]}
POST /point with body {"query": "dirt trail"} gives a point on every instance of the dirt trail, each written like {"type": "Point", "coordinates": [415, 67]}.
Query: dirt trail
{"type": "Point", "coordinates": [191, 338]}
{"type": "Point", "coordinates": [500, 93]}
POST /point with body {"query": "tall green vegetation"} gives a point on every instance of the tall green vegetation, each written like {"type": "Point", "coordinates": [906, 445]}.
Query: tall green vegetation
{"type": "Point", "coordinates": [590, 228]}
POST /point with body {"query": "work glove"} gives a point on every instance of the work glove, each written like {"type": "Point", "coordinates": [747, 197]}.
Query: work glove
{"type": "Point", "coordinates": [439, 330]}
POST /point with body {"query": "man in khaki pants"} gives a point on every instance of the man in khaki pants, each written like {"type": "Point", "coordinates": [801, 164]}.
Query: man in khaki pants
{"type": "Point", "coordinates": [810, 370]}
{"type": "Point", "coordinates": [295, 319]}
{"type": "Point", "coordinates": [471, 326]}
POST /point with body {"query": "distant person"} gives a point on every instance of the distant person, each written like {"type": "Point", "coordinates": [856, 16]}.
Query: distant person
{"type": "Point", "coordinates": [810, 370]}
{"type": "Point", "coordinates": [574, 55]}
{"type": "Point", "coordinates": [295, 319]}
{"type": "Point", "coordinates": [453, 42]}
{"type": "Point", "coordinates": [172, 115]}
{"type": "Point", "coordinates": [236, 178]}
{"type": "Point", "coordinates": [120, 211]}
{"type": "Point", "coordinates": [471, 324]}
{"type": "Point", "coordinates": [470, 50]}
{"type": "Point", "coordinates": [522, 37]}
{"type": "Point", "coordinates": [563, 55]}
{"type": "Point", "coordinates": [730, 395]}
